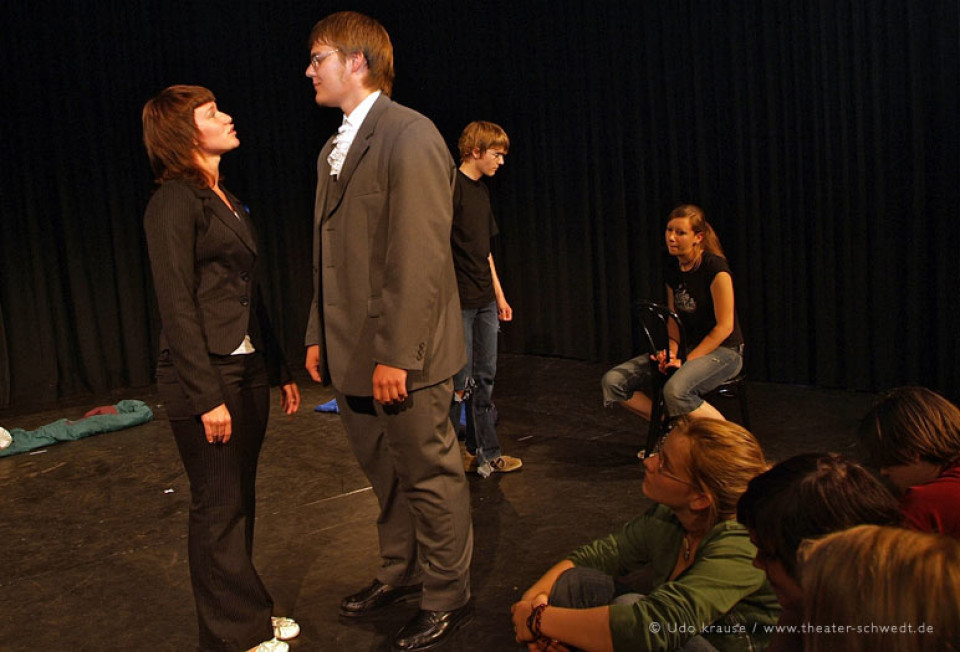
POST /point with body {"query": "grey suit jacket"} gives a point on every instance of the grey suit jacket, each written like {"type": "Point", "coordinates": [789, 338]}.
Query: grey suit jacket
{"type": "Point", "coordinates": [384, 285]}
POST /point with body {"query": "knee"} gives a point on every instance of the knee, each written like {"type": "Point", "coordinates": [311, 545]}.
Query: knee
{"type": "Point", "coordinates": [613, 384]}
{"type": "Point", "coordinates": [678, 398]}
{"type": "Point", "coordinates": [582, 588]}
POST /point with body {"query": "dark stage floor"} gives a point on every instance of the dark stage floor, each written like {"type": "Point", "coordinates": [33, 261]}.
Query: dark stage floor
{"type": "Point", "coordinates": [94, 532]}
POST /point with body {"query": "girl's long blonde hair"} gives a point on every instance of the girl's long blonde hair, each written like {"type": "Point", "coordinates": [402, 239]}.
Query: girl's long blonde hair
{"type": "Point", "coordinates": [724, 457]}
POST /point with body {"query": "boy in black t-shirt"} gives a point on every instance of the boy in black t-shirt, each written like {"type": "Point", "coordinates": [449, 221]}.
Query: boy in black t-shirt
{"type": "Point", "coordinates": [483, 147]}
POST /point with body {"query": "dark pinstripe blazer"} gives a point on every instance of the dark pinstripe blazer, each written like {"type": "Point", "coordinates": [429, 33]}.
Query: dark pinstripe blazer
{"type": "Point", "coordinates": [204, 262]}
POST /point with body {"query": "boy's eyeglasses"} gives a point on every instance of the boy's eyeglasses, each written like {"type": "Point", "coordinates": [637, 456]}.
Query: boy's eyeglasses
{"type": "Point", "coordinates": [317, 59]}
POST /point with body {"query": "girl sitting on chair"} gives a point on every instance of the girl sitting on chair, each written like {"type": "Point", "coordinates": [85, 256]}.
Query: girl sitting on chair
{"type": "Point", "coordinates": [700, 291]}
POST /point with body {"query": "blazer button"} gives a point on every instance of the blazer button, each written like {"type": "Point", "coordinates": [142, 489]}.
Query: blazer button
{"type": "Point", "coordinates": [244, 301]}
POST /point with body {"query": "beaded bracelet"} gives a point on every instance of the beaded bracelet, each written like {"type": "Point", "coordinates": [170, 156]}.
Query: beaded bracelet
{"type": "Point", "coordinates": [533, 622]}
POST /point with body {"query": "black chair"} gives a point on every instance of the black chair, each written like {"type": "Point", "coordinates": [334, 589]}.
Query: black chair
{"type": "Point", "coordinates": [655, 321]}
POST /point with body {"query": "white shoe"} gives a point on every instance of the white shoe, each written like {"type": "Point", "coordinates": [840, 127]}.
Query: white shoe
{"type": "Point", "coordinates": [273, 645]}
{"type": "Point", "coordinates": [284, 628]}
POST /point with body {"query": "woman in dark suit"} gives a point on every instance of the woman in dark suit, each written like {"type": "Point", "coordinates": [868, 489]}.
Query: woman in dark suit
{"type": "Point", "coordinates": [218, 357]}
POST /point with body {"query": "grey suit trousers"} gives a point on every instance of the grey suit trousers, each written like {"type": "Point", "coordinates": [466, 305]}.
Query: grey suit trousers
{"type": "Point", "coordinates": [411, 456]}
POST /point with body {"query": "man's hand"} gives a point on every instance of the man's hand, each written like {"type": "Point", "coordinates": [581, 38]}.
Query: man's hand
{"type": "Point", "coordinates": [313, 362]}
{"type": "Point", "coordinates": [389, 384]}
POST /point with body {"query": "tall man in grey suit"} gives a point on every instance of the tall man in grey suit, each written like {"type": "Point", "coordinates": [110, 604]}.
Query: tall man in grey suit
{"type": "Point", "coordinates": [385, 325]}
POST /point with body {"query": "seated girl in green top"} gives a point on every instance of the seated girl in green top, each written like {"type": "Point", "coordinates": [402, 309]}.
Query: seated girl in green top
{"type": "Point", "coordinates": [702, 589]}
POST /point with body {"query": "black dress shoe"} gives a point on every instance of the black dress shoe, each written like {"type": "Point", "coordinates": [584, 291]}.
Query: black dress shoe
{"type": "Point", "coordinates": [429, 629]}
{"type": "Point", "coordinates": [377, 596]}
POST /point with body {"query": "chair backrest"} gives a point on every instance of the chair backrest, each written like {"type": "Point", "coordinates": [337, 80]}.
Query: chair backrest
{"type": "Point", "coordinates": [654, 320]}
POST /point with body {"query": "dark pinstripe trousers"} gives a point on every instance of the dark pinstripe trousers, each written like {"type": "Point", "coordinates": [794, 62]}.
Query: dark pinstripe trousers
{"type": "Point", "coordinates": [233, 606]}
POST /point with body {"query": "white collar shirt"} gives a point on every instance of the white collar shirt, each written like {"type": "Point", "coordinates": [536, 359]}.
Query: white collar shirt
{"type": "Point", "coordinates": [348, 131]}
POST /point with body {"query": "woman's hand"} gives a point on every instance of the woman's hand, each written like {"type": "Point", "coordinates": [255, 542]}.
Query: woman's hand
{"type": "Point", "coordinates": [521, 613]}
{"type": "Point", "coordinates": [217, 426]}
{"type": "Point", "coordinates": [289, 398]}
{"type": "Point", "coordinates": [662, 361]}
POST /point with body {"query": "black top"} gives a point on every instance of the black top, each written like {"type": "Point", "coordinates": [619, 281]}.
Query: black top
{"type": "Point", "coordinates": [694, 302]}
{"type": "Point", "coordinates": [473, 226]}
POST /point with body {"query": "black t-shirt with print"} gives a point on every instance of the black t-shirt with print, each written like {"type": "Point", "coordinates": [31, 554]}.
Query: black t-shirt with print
{"type": "Point", "coordinates": [694, 302]}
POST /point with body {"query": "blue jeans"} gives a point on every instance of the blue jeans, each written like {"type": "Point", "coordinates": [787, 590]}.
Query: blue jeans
{"type": "Point", "coordinates": [480, 329]}
{"type": "Point", "coordinates": [682, 392]}
{"type": "Point", "coordinates": [583, 588]}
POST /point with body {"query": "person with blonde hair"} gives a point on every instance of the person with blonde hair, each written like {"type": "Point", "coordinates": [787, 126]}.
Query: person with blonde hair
{"type": "Point", "coordinates": [874, 588]}
{"type": "Point", "coordinates": [483, 149]}
{"type": "Point", "coordinates": [700, 290]}
{"type": "Point", "coordinates": [913, 436]}
{"type": "Point", "coordinates": [701, 588]}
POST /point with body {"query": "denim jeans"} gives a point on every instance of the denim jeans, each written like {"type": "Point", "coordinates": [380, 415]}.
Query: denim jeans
{"type": "Point", "coordinates": [480, 329]}
{"type": "Point", "coordinates": [682, 392]}
{"type": "Point", "coordinates": [583, 588]}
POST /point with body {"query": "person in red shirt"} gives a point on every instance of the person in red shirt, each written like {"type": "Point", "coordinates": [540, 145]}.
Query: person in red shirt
{"type": "Point", "coordinates": [913, 436]}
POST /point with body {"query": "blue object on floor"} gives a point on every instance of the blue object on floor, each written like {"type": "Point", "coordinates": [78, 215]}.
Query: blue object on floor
{"type": "Point", "coordinates": [329, 406]}
{"type": "Point", "coordinates": [463, 414]}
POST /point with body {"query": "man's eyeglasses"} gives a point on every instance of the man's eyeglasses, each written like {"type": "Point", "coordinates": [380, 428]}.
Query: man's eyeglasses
{"type": "Point", "coordinates": [658, 453]}
{"type": "Point", "coordinates": [317, 59]}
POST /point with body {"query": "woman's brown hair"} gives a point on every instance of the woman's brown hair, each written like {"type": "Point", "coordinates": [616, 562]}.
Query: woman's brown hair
{"type": "Point", "coordinates": [910, 424]}
{"type": "Point", "coordinates": [170, 133]}
{"type": "Point", "coordinates": [699, 224]}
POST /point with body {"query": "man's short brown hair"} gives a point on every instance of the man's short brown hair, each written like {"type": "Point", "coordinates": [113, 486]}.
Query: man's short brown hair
{"type": "Point", "coordinates": [350, 32]}
{"type": "Point", "coordinates": [482, 135]}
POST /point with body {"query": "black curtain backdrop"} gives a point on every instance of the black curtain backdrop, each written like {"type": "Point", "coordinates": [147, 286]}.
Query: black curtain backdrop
{"type": "Point", "coordinates": [821, 138]}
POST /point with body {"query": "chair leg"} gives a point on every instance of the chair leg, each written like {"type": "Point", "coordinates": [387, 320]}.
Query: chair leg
{"type": "Point", "coordinates": [656, 415]}
{"type": "Point", "coordinates": [744, 411]}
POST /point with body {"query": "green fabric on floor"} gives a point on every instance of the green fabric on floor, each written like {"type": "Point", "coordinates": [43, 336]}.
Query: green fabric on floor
{"type": "Point", "coordinates": [129, 413]}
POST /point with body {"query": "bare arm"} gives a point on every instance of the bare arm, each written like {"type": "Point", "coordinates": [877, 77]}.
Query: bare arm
{"type": "Point", "coordinates": [546, 582]}
{"type": "Point", "coordinates": [673, 332]}
{"type": "Point", "coordinates": [721, 289]}
{"type": "Point", "coordinates": [587, 629]}
{"type": "Point", "coordinates": [504, 311]}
